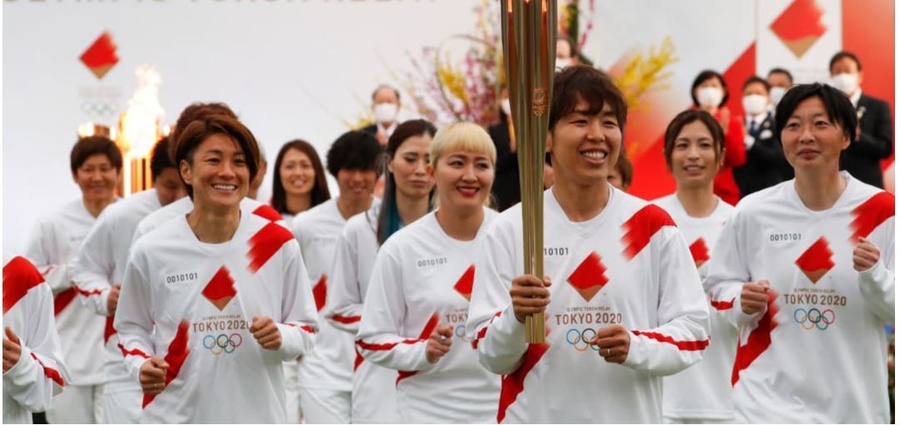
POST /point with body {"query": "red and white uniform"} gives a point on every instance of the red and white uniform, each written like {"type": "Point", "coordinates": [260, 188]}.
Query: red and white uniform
{"type": "Point", "coordinates": [39, 374]}
{"type": "Point", "coordinates": [423, 278]}
{"type": "Point", "coordinates": [100, 263]}
{"type": "Point", "coordinates": [818, 352]}
{"type": "Point", "coordinates": [192, 303]}
{"type": "Point", "coordinates": [703, 391]}
{"type": "Point", "coordinates": [374, 389]}
{"type": "Point", "coordinates": [185, 205]}
{"type": "Point", "coordinates": [329, 367]}
{"type": "Point", "coordinates": [54, 243]}
{"type": "Point", "coordinates": [628, 265]}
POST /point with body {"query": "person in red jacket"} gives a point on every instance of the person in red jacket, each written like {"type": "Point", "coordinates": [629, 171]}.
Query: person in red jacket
{"type": "Point", "coordinates": [710, 93]}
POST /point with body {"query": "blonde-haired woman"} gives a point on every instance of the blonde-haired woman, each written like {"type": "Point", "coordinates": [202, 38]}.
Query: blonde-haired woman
{"type": "Point", "coordinates": [416, 308]}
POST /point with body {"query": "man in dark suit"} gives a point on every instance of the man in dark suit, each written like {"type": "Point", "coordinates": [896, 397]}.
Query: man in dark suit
{"type": "Point", "coordinates": [875, 140]}
{"type": "Point", "coordinates": [765, 164]}
{"type": "Point", "coordinates": [505, 190]}
{"type": "Point", "coordinates": [385, 106]}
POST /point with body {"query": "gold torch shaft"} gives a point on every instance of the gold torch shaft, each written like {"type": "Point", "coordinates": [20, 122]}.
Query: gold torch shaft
{"type": "Point", "coordinates": [529, 50]}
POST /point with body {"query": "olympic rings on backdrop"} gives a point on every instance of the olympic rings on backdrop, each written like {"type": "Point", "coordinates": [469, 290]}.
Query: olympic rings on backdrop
{"type": "Point", "coordinates": [581, 339]}
{"type": "Point", "coordinates": [99, 107]}
{"type": "Point", "coordinates": [222, 343]}
{"type": "Point", "coordinates": [814, 318]}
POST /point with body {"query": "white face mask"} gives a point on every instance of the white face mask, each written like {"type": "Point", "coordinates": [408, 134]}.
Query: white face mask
{"type": "Point", "coordinates": [847, 83]}
{"type": "Point", "coordinates": [562, 63]}
{"type": "Point", "coordinates": [776, 93]}
{"type": "Point", "coordinates": [755, 104]}
{"type": "Point", "coordinates": [504, 106]}
{"type": "Point", "coordinates": [710, 96]}
{"type": "Point", "coordinates": [385, 112]}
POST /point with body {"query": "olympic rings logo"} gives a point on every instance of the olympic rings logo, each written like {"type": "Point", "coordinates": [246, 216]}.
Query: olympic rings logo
{"type": "Point", "coordinates": [581, 339]}
{"type": "Point", "coordinates": [460, 332]}
{"type": "Point", "coordinates": [222, 343]}
{"type": "Point", "coordinates": [814, 318]}
{"type": "Point", "coordinates": [99, 108]}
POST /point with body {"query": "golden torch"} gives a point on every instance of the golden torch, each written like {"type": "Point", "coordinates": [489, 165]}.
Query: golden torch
{"type": "Point", "coordinates": [529, 50]}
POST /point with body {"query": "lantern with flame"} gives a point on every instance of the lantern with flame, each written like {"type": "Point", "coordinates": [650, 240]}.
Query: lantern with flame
{"type": "Point", "coordinates": [139, 130]}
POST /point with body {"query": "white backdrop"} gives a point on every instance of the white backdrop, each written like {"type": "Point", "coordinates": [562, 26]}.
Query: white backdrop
{"type": "Point", "coordinates": [305, 68]}
{"type": "Point", "coordinates": [289, 69]}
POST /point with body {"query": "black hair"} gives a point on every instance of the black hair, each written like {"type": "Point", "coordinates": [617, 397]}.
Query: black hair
{"type": "Point", "coordinates": [837, 105]}
{"type": "Point", "coordinates": [844, 54]}
{"type": "Point", "coordinates": [705, 75]}
{"type": "Point", "coordinates": [160, 159]}
{"type": "Point", "coordinates": [389, 215]}
{"type": "Point", "coordinates": [354, 150]}
{"type": "Point", "coordinates": [87, 147]}
{"type": "Point", "coordinates": [756, 79]}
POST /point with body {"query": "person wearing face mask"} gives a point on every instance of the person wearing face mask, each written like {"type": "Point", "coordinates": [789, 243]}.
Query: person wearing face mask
{"type": "Point", "coordinates": [505, 191]}
{"type": "Point", "coordinates": [875, 134]}
{"type": "Point", "coordinates": [566, 52]}
{"type": "Point", "coordinates": [765, 164]}
{"type": "Point", "coordinates": [710, 94]}
{"type": "Point", "coordinates": [780, 80]}
{"type": "Point", "coordinates": [385, 106]}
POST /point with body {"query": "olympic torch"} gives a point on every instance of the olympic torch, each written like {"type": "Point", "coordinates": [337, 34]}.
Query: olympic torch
{"type": "Point", "coordinates": [529, 50]}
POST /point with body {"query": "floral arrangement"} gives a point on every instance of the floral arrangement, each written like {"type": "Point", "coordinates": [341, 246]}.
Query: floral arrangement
{"type": "Point", "coordinates": [644, 73]}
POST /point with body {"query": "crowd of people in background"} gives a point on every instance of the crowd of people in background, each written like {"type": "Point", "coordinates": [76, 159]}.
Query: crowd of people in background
{"type": "Point", "coordinates": [403, 297]}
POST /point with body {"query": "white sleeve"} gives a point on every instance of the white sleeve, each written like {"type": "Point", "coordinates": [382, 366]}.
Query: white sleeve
{"type": "Point", "coordinates": [683, 334]}
{"type": "Point", "coordinates": [384, 311]}
{"type": "Point", "coordinates": [42, 254]}
{"type": "Point", "coordinates": [92, 266]}
{"type": "Point", "coordinates": [877, 283]}
{"type": "Point", "coordinates": [40, 372]}
{"type": "Point", "coordinates": [728, 271]}
{"type": "Point", "coordinates": [298, 313]}
{"type": "Point", "coordinates": [344, 303]}
{"type": "Point", "coordinates": [134, 315]}
{"type": "Point", "coordinates": [496, 334]}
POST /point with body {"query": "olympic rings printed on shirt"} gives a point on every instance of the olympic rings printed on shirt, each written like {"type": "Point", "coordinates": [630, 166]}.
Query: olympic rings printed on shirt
{"type": "Point", "coordinates": [222, 343]}
{"type": "Point", "coordinates": [581, 339]}
{"type": "Point", "coordinates": [460, 333]}
{"type": "Point", "coordinates": [814, 318]}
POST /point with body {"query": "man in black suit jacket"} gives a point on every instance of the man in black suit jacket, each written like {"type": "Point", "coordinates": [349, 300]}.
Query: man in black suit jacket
{"type": "Point", "coordinates": [766, 165]}
{"type": "Point", "coordinates": [875, 139]}
{"type": "Point", "coordinates": [505, 190]}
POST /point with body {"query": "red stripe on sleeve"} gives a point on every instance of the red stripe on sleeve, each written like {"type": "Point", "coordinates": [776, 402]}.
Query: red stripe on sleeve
{"type": "Point", "coordinates": [265, 243]}
{"type": "Point", "coordinates": [19, 275]}
{"type": "Point", "coordinates": [423, 336]}
{"type": "Point", "coordinates": [62, 300]}
{"type": "Point", "coordinates": [346, 319]}
{"type": "Point", "coordinates": [870, 214]}
{"type": "Point", "coordinates": [722, 305]}
{"type": "Point", "coordinates": [175, 357]}
{"type": "Point", "coordinates": [681, 345]}
{"type": "Point", "coordinates": [84, 293]}
{"type": "Point", "coordinates": [50, 372]}
{"type": "Point", "coordinates": [641, 227]}
{"type": "Point", "coordinates": [135, 352]}
{"type": "Point", "coordinates": [759, 340]}
{"type": "Point", "coordinates": [513, 384]}
{"type": "Point", "coordinates": [305, 328]}
{"type": "Point", "coordinates": [483, 331]}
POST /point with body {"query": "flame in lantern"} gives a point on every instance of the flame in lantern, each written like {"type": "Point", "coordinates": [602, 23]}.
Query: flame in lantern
{"type": "Point", "coordinates": [140, 123]}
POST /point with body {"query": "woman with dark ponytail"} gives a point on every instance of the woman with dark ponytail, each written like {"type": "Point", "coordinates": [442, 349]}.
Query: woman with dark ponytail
{"type": "Point", "coordinates": [407, 195]}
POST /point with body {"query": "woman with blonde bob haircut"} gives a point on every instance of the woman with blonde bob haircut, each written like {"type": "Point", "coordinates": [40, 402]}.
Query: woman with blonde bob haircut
{"type": "Point", "coordinates": [418, 298]}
